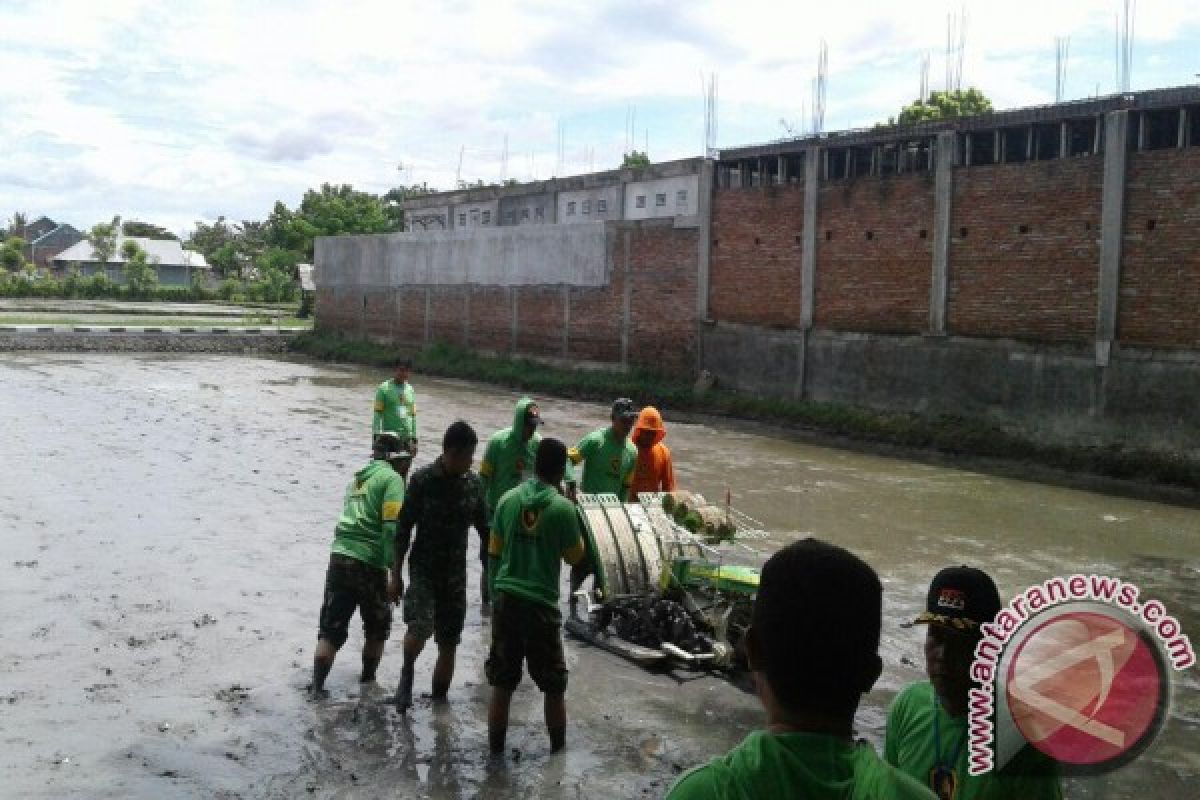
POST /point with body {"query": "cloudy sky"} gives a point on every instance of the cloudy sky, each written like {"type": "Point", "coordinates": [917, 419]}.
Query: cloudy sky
{"type": "Point", "coordinates": [173, 112]}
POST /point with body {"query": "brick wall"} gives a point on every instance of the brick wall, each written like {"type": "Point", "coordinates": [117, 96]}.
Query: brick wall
{"type": "Point", "coordinates": [662, 265]}
{"type": "Point", "coordinates": [873, 266]}
{"type": "Point", "coordinates": [1159, 303]}
{"type": "Point", "coordinates": [491, 315]}
{"type": "Point", "coordinates": [540, 320]}
{"type": "Point", "coordinates": [754, 272]}
{"type": "Point", "coordinates": [1037, 285]}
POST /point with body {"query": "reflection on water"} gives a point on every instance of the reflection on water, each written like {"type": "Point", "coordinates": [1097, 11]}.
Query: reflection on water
{"type": "Point", "coordinates": [153, 493]}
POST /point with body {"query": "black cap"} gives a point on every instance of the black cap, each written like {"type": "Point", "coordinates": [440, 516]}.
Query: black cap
{"type": "Point", "coordinates": [391, 446]}
{"type": "Point", "coordinates": [625, 409]}
{"type": "Point", "coordinates": [960, 597]}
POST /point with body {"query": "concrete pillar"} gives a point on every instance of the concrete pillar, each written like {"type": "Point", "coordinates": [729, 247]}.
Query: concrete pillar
{"type": "Point", "coordinates": [1141, 134]}
{"type": "Point", "coordinates": [781, 170]}
{"type": "Point", "coordinates": [1112, 223]}
{"type": "Point", "coordinates": [999, 146]}
{"type": "Point", "coordinates": [626, 300]}
{"type": "Point", "coordinates": [1182, 139]}
{"type": "Point", "coordinates": [967, 149]}
{"type": "Point", "coordinates": [467, 315]}
{"type": "Point", "coordinates": [704, 246]}
{"type": "Point", "coordinates": [428, 313]}
{"type": "Point", "coordinates": [1029, 139]}
{"type": "Point", "coordinates": [943, 200]}
{"type": "Point", "coordinates": [566, 331]}
{"type": "Point", "coordinates": [1064, 140]}
{"type": "Point", "coordinates": [514, 324]}
{"type": "Point", "coordinates": [813, 158]}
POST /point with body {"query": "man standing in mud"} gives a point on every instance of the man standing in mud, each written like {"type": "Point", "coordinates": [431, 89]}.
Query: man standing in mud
{"type": "Point", "coordinates": [606, 454]}
{"type": "Point", "coordinates": [443, 499]}
{"type": "Point", "coordinates": [535, 529]}
{"type": "Point", "coordinates": [396, 405]}
{"type": "Point", "coordinates": [357, 576]}
{"type": "Point", "coordinates": [507, 461]}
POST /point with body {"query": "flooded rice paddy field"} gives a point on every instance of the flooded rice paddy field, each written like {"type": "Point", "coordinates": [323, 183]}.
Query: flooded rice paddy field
{"type": "Point", "coordinates": [164, 529]}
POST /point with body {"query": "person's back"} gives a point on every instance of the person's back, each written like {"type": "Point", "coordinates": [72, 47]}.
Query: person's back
{"type": "Point", "coordinates": [654, 471]}
{"type": "Point", "coordinates": [813, 646]}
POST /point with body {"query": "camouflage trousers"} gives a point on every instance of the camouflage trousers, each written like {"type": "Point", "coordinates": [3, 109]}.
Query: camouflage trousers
{"type": "Point", "coordinates": [435, 604]}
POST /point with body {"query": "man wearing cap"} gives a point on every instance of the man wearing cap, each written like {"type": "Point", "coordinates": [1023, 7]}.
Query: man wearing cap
{"type": "Point", "coordinates": [507, 461]}
{"type": "Point", "coordinates": [396, 405]}
{"type": "Point", "coordinates": [357, 576]}
{"type": "Point", "coordinates": [927, 723]}
{"type": "Point", "coordinates": [607, 455]}
{"type": "Point", "coordinates": [654, 471]}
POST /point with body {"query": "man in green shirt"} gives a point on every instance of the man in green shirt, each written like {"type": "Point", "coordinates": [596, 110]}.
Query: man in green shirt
{"type": "Point", "coordinates": [508, 460]}
{"type": "Point", "coordinates": [443, 500]}
{"type": "Point", "coordinates": [396, 405]}
{"type": "Point", "coordinates": [927, 723]}
{"type": "Point", "coordinates": [813, 645]}
{"type": "Point", "coordinates": [607, 455]}
{"type": "Point", "coordinates": [357, 576]}
{"type": "Point", "coordinates": [534, 529]}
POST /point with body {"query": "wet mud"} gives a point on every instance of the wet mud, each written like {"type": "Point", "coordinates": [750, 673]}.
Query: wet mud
{"type": "Point", "coordinates": [165, 524]}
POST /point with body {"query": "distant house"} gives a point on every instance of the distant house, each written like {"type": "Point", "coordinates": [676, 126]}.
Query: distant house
{"type": "Point", "coordinates": [39, 227]}
{"type": "Point", "coordinates": [42, 250]}
{"type": "Point", "coordinates": [175, 265]}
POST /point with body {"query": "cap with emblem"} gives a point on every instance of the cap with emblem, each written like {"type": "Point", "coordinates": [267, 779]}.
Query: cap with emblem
{"type": "Point", "coordinates": [390, 446]}
{"type": "Point", "coordinates": [625, 409]}
{"type": "Point", "coordinates": [960, 597]}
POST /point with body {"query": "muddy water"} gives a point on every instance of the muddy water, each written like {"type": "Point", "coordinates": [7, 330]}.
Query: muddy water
{"type": "Point", "coordinates": [164, 527]}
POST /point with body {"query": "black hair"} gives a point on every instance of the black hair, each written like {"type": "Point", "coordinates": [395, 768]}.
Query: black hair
{"type": "Point", "coordinates": [551, 459]}
{"type": "Point", "coordinates": [816, 626]}
{"type": "Point", "coordinates": [459, 436]}
{"type": "Point", "coordinates": [402, 361]}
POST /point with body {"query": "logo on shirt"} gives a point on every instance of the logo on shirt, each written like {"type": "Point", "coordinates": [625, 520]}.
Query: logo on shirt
{"type": "Point", "coordinates": [529, 518]}
{"type": "Point", "coordinates": [616, 465]}
{"type": "Point", "coordinates": [953, 599]}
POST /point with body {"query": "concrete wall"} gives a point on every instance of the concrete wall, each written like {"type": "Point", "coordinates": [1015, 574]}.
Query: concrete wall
{"type": "Point", "coordinates": [479, 214]}
{"type": "Point", "coordinates": [527, 209]}
{"type": "Point", "coordinates": [583, 205]}
{"type": "Point", "coordinates": [1052, 393]}
{"type": "Point", "coordinates": [436, 218]}
{"type": "Point", "coordinates": [650, 192]}
{"type": "Point", "coordinates": [499, 256]}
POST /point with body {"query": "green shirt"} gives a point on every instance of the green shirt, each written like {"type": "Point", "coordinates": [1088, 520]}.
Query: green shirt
{"type": "Point", "coordinates": [608, 464]}
{"type": "Point", "coordinates": [805, 766]}
{"type": "Point", "coordinates": [367, 526]}
{"type": "Point", "coordinates": [910, 746]}
{"type": "Point", "coordinates": [395, 409]}
{"type": "Point", "coordinates": [533, 528]}
{"type": "Point", "coordinates": [507, 460]}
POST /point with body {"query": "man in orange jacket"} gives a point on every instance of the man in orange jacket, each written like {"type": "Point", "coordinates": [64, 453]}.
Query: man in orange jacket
{"type": "Point", "coordinates": [653, 471]}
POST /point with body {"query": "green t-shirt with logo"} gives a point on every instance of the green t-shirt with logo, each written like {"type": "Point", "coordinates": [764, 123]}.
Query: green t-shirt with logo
{"type": "Point", "coordinates": [507, 460]}
{"type": "Point", "coordinates": [395, 409]}
{"type": "Point", "coordinates": [911, 746]}
{"type": "Point", "coordinates": [805, 766]}
{"type": "Point", "coordinates": [608, 463]}
{"type": "Point", "coordinates": [533, 531]}
{"type": "Point", "coordinates": [367, 527]}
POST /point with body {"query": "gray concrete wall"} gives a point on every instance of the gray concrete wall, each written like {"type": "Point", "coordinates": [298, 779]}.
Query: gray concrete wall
{"type": "Point", "coordinates": [649, 190]}
{"type": "Point", "coordinates": [583, 205]}
{"type": "Point", "coordinates": [527, 209]}
{"type": "Point", "coordinates": [481, 214]}
{"type": "Point", "coordinates": [575, 255]}
{"type": "Point", "coordinates": [1055, 394]}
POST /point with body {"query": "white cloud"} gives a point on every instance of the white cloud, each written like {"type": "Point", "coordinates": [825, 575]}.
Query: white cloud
{"type": "Point", "coordinates": [169, 112]}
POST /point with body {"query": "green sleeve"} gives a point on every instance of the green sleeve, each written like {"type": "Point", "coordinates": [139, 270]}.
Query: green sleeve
{"type": "Point", "coordinates": [377, 416]}
{"type": "Point", "coordinates": [708, 782]}
{"type": "Point", "coordinates": [894, 729]}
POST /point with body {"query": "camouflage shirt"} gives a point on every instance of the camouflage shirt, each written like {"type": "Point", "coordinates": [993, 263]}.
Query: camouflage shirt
{"type": "Point", "coordinates": [438, 509]}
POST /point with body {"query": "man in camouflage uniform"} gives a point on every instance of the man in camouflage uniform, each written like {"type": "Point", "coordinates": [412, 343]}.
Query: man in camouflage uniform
{"type": "Point", "coordinates": [442, 500]}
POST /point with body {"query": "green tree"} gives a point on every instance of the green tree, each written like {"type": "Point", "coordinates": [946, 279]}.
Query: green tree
{"type": "Point", "coordinates": [103, 238]}
{"type": "Point", "coordinates": [11, 253]}
{"type": "Point", "coordinates": [635, 160]}
{"type": "Point", "coordinates": [148, 230]}
{"type": "Point", "coordinates": [944, 105]}
{"type": "Point", "coordinates": [330, 211]}
{"type": "Point", "coordinates": [141, 276]}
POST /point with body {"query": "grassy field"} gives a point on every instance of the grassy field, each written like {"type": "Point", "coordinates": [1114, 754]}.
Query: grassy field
{"type": "Point", "coordinates": [943, 433]}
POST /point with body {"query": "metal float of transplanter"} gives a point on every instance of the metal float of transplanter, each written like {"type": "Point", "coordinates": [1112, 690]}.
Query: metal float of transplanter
{"type": "Point", "coordinates": [661, 593]}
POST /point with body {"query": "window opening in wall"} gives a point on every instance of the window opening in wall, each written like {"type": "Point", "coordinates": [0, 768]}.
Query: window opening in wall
{"type": "Point", "coordinates": [1081, 137]}
{"type": "Point", "coordinates": [601, 206]}
{"type": "Point", "coordinates": [539, 213]}
{"type": "Point", "coordinates": [1015, 143]}
{"type": "Point", "coordinates": [1151, 224]}
{"type": "Point", "coordinates": [587, 206]}
{"type": "Point", "coordinates": [510, 217]}
{"type": "Point", "coordinates": [870, 235]}
{"type": "Point", "coordinates": [681, 198]}
{"type": "Point", "coordinates": [924, 234]}
{"type": "Point", "coordinates": [487, 217]}
{"type": "Point", "coordinates": [983, 148]}
{"type": "Point", "coordinates": [1193, 127]}
{"type": "Point", "coordinates": [962, 233]}
{"type": "Point", "coordinates": [1087, 226]}
{"type": "Point", "coordinates": [888, 159]}
{"type": "Point", "coordinates": [524, 215]}
{"type": "Point", "coordinates": [571, 209]}
{"type": "Point", "coordinates": [836, 165]}
{"type": "Point", "coordinates": [799, 239]}
{"type": "Point", "coordinates": [462, 219]}
{"type": "Point", "coordinates": [1023, 228]}
{"type": "Point", "coordinates": [660, 199]}
{"type": "Point", "coordinates": [860, 161]}
{"type": "Point", "coordinates": [829, 236]}
{"type": "Point", "coordinates": [1161, 129]}
{"type": "Point", "coordinates": [1047, 139]}
{"type": "Point", "coordinates": [640, 202]}
{"type": "Point", "coordinates": [716, 242]}
{"type": "Point", "coordinates": [795, 168]}
{"type": "Point", "coordinates": [757, 240]}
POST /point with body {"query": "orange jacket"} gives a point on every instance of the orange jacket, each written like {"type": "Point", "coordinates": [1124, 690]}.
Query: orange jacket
{"type": "Point", "coordinates": [654, 471]}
